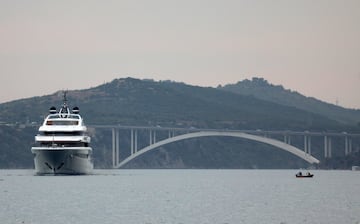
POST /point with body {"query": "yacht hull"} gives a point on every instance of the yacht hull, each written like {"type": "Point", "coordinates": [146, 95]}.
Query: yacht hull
{"type": "Point", "coordinates": [62, 160]}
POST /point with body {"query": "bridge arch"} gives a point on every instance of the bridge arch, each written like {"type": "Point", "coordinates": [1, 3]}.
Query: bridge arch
{"type": "Point", "coordinates": [289, 148]}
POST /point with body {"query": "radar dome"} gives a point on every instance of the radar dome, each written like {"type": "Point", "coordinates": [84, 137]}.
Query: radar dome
{"type": "Point", "coordinates": [52, 110]}
{"type": "Point", "coordinates": [75, 110]}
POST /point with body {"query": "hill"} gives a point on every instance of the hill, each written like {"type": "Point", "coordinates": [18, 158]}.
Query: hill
{"type": "Point", "coordinates": [145, 102]}
{"type": "Point", "coordinates": [261, 89]}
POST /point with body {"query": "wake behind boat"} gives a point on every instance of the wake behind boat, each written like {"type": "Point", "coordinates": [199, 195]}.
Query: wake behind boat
{"type": "Point", "coordinates": [62, 143]}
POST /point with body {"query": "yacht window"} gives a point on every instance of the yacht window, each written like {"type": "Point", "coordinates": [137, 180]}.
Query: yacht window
{"type": "Point", "coordinates": [62, 122]}
{"type": "Point", "coordinates": [72, 116]}
{"type": "Point", "coordinates": [72, 133]}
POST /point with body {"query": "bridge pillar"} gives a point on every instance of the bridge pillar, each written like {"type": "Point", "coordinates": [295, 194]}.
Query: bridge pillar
{"type": "Point", "coordinates": [133, 141]}
{"type": "Point", "coordinates": [287, 139]}
{"type": "Point", "coordinates": [348, 145]}
{"type": "Point", "coordinates": [152, 137]}
{"type": "Point", "coordinates": [307, 144]}
{"type": "Point", "coordinates": [327, 147]}
{"type": "Point", "coordinates": [171, 133]}
{"type": "Point", "coordinates": [115, 147]}
{"type": "Point", "coordinates": [136, 145]}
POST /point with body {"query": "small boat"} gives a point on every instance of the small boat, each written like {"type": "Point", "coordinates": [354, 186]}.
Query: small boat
{"type": "Point", "coordinates": [307, 175]}
{"type": "Point", "coordinates": [355, 168]}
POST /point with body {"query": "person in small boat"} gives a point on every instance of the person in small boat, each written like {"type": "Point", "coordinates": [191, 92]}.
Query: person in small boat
{"type": "Point", "coordinates": [300, 174]}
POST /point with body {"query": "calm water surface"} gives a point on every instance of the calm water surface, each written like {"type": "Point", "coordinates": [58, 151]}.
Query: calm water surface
{"type": "Point", "coordinates": [180, 197]}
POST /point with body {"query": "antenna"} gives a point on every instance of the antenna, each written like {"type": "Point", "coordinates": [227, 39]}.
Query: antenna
{"type": "Point", "coordinates": [64, 111]}
{"type": "Point", "coordinates": [65, 99]}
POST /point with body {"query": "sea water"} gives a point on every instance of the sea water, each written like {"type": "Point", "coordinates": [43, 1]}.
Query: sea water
{"type": "Point", "coordinates": [180, 197]}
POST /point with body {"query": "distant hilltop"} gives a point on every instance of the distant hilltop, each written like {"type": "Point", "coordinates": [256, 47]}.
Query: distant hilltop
{"type": "Point", "coordinates": [262, 89]}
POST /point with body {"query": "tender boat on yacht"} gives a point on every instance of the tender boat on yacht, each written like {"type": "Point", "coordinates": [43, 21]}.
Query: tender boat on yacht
{"type": "Point", "coordinates": [62, 143]}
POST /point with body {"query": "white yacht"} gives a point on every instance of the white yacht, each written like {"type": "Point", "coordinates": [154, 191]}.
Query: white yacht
{"type": "Point", "coordinates": [62, 145]}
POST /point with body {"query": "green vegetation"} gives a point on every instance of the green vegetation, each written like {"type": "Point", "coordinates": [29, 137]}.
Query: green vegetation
{"type": "Point", "coordinates": [246, 105]}
{"type": "Point", "coordinates": [261, 89]}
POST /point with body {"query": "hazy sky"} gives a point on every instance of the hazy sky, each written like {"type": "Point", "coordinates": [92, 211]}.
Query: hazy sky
{"type": "Point", "coordinates": [311, 46]}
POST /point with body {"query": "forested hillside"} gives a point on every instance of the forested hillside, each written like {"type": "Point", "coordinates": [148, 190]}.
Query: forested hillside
{"type": "Point", "coordinates": [261, 89]}
{"type": "Point", "coordinates": [168, 104]}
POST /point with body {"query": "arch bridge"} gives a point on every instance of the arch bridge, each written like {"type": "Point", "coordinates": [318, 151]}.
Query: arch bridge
{"type": "Point", "coordinates": [178, 134]}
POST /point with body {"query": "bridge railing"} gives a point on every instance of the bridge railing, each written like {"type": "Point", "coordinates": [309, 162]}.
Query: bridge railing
{"type": "Point", "coordinates": [248, 131]}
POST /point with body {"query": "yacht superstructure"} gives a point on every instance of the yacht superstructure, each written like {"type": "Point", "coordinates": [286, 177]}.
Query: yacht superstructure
{"type": "Point", "coordinates": [63, 143]}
